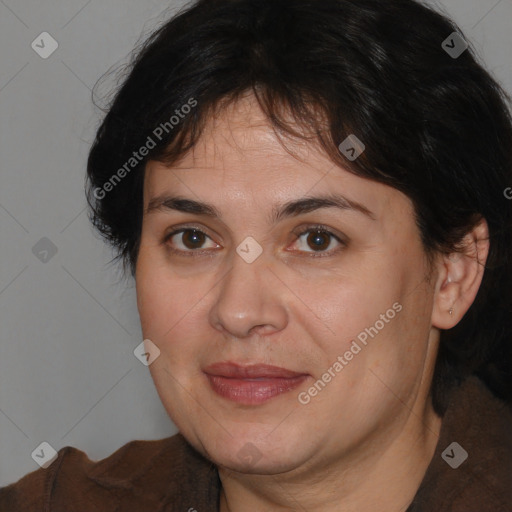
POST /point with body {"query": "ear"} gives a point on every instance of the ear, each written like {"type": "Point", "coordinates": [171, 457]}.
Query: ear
{"type": "Point", "coordinates": [459, 276]}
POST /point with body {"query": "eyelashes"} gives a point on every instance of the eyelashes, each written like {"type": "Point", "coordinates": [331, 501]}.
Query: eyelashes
{"type": "Point", "coordinates": [197, 233]}
{"type": "Point", "coordinates": [193, 238]}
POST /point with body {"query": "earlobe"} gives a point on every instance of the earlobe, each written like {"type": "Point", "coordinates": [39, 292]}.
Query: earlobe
{"type": "Point", "coordinates": [460, 275]}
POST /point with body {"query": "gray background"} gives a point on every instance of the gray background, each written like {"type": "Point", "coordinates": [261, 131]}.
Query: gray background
{"type": "Point", "coordinates": [69, 325]}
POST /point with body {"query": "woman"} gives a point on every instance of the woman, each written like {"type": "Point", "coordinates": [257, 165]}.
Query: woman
{"type": "Point", "coordinates": [310, 197]}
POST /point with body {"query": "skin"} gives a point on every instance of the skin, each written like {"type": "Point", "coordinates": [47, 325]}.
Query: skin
{"type": "Point", "coordinates": [364, 442]}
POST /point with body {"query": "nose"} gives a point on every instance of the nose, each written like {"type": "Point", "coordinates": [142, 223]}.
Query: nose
{"type": "Point", "coordinates": [250, 300]}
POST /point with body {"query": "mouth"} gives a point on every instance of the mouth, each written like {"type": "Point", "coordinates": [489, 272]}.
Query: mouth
{"type": "Point", "coordinates": [252, 384]}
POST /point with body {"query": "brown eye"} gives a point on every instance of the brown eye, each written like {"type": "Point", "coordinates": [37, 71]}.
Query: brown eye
{"type": "Point", "coordinates": [193, 239]}
{"type": "Point", "coordinates": [187, 240]}
{"type": "Point", "coordinates": [318, 240]}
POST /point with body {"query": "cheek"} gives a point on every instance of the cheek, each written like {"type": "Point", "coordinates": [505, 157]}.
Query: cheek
{"type": "Point", "coordinates": [356, 302]}
{"type": "Point", "coordinates": [150, 301]}
{"type": "Point", "coordinates": [378, 309]}
{"type": "Point", "coordinates": [172, 313]}
{"type": "Point", "coordinates": [156, 297]}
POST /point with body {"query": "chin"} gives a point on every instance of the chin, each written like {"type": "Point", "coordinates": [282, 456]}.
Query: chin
{"type": "Point", "coordinates": [244, 454]}
{"type": "Point", "coordinates": [257, 466]}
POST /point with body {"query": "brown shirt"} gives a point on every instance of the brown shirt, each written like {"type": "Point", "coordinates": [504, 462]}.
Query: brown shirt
{"type": "Point", "coordinates": [168, 475]}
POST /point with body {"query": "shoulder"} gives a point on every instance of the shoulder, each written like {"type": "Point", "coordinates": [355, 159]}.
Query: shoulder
{"type": "Point", "coordinates": [472, 463]}
{"type": "Point", "coordinates": [138, 476]}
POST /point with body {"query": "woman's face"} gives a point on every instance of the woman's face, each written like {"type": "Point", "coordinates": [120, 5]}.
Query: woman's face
{"type": "Point", "coordinates": [345, 313]}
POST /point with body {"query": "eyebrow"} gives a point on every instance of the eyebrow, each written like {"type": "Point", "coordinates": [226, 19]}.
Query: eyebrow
{"type": "Point", "coordinates": [289, 209]}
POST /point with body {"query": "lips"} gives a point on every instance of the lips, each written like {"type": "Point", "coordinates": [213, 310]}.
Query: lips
{"type": "Point", "coordinates": [256, 371]}
{"type": "Point", "coordinates": [252, 384]}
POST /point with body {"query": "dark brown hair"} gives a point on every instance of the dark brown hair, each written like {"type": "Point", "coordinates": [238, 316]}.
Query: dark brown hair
{"type": "Point", "coordinates": [436, 127]}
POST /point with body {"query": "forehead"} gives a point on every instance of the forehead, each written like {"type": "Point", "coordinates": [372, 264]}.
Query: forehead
{"type": "Point", "coordinates": [239, 156]}
{"type": "Point", "coordinates": [241, 132]}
